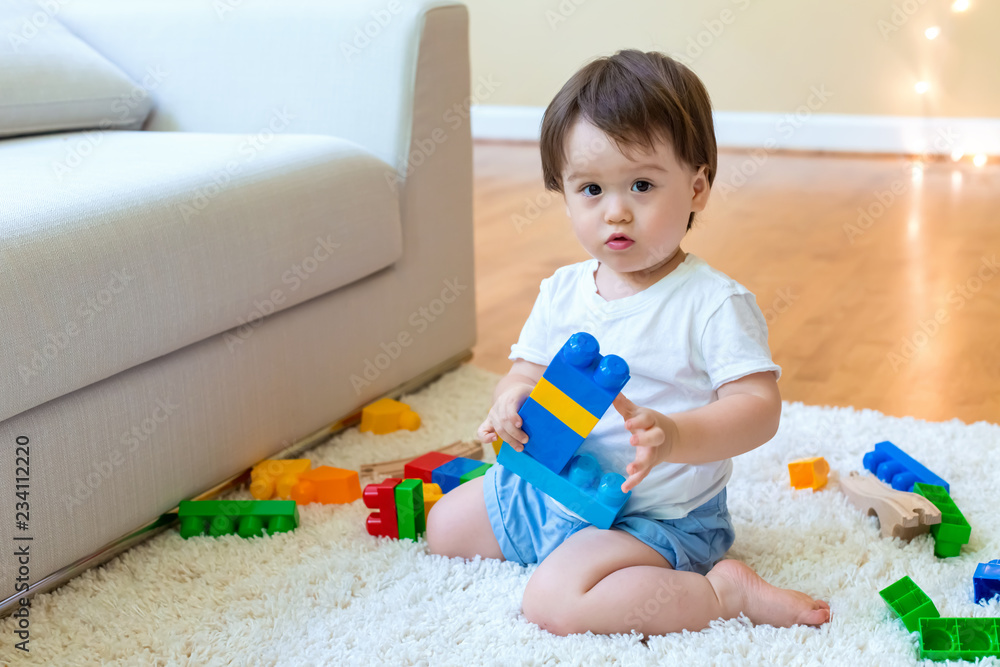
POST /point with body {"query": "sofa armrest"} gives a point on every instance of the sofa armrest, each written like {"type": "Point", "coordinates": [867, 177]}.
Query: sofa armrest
{"type": "Point", "coordinates": [345, 69]}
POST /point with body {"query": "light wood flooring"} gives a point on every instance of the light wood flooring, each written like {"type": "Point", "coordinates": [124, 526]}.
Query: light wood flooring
{"type": "Point", "coordinates": [898, 312]}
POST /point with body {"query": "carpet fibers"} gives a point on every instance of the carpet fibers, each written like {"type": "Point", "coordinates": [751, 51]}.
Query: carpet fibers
{"type": "Point", "coordinates": [329, 594]}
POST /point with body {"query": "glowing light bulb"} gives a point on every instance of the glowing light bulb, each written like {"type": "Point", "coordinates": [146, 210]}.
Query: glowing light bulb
{"type": "Point", "coordinates": [979, 160]}
{"type": "Point", "coordinates": [957, 155]}
{"type": "Point", "coordinates": [959, 5]}
{"type": "Point", "coordinates": [932, 32]}
{"type": "Point", "coordinates": [922, 87]}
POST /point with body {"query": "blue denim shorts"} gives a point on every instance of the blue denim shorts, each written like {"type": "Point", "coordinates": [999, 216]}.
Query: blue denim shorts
{"type": "Point", "coordinates": [528, 530]}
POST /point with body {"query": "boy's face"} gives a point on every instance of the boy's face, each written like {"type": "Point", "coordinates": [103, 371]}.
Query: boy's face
{"type": "Point", "coordinates": [629, 212]}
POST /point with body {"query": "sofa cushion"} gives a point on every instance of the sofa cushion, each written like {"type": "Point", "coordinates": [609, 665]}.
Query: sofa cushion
{"type": "Point", "coordinates": [149, 241]}
{"type": "Point", "coordinates": [52, 81]}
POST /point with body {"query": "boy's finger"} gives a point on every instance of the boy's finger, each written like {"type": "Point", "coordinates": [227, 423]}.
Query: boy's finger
{"type": "Point", "coordinates": [510, 440]}
{"type": "Point", "coordinates": [633, 480]}
{"type": "Point", "coordinates": [646, 439]}
{"type": "Point", "coordinates": [484, 431]}
{"type": "Point", "coordinates": [640, 421]}
{"type": "Point", "coordinates": [624, 406]}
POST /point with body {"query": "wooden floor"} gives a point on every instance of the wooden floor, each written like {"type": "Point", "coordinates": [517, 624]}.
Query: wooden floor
{"type": "Point", "coordinates": [878, 275]}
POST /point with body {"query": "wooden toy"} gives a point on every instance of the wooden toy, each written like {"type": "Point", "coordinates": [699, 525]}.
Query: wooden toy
{"type": "Point", "coordinates": [900, 514]}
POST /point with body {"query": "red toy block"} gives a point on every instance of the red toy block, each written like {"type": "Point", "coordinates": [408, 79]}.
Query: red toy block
{"type": "Point", "coordinates": [382, 497]}
{"type": "Point", "coordinates": [423, 467]}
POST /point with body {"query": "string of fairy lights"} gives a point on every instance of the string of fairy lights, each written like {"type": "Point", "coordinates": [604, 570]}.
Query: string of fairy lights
{"type": "Point", "coordinates": [922, 87]}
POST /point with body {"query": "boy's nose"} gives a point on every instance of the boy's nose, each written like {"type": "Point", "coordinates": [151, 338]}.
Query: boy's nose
{"type": "Point", "coordinates": [616, 211]}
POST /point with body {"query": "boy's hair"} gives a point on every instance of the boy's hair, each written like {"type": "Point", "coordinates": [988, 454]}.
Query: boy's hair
{"type": "Point", "coordinates": [635, 98]}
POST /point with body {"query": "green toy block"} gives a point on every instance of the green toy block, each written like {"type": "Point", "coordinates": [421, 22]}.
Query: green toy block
{"type": "Point", "coordinates": [246, 518]}
{"type": "Point", "coordinates": [410, 508]}
{"type": "Point", "coordinates": [954, 530]}
{"type": "Point", "coordinates": [909, 603]}
{"type": "Point", "coordinates": [959, 638]}
{"type": "Point", "coordinates": [472, 474]}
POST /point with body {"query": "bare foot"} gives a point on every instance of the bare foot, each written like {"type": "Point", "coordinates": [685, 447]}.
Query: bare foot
{"type": "Point", "coordinates": [741, 589]}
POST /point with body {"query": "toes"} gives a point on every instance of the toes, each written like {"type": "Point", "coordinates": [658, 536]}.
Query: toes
{"type": "Point", "coordinates": [817, 616]}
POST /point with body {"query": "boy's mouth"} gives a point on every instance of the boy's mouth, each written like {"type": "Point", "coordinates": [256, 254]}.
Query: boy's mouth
{"type": "Point", "coordinates": [618, 242]}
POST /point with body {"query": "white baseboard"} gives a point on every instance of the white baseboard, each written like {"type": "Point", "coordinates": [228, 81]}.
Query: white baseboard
{"type": "Point", "coordinates": [804, 131]}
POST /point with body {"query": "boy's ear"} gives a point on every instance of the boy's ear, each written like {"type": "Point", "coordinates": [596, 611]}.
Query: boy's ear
{"type": "Point", "coordinates": [700, 188]}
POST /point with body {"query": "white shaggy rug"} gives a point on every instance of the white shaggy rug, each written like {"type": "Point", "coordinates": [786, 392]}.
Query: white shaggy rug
{"type": "Point", "coordinates": [329, 594]}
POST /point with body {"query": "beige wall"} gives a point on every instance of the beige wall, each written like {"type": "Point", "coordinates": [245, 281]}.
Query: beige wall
{"type": "Point", "coordinates": [766, 55]}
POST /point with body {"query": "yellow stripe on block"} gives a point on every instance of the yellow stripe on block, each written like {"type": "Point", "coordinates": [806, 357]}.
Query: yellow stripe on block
{"type": "Point", "coordinates": [564, 408]}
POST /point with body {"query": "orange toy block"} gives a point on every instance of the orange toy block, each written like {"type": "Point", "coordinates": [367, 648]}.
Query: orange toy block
{"type": "Point", "coordinates": [809, 473]}
{"type": "Point", "coordinates": [273, 476]}
{"type": "Point", "coordinates": [327, 485]}
{"type": "Point", "coordinates": [432, 494]}
{"type": "Point", "coordinates": [386, 415]}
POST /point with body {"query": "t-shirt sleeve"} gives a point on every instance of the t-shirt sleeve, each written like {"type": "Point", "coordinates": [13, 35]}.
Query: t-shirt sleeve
{"type": "Point", "coordinates": [531, 345]}
{"type": "Point", "coordinates": [734, 343]}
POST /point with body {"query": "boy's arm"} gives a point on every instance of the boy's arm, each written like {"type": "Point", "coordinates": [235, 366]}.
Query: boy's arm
{"type": "Point", "coordinates": [745, 417]}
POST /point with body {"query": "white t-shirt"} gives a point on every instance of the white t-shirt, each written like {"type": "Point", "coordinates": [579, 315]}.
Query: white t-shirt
{"type": "Point", "coordinates": [683, 337]}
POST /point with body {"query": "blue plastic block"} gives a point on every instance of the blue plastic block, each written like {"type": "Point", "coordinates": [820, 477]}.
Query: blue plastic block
{"type": "Point", "coordinates": [550, 441]}
{"type": "Point", "coordinates": [588, 379]}
{"type": "Point", "coordinates": [581, 488]}
{"type": "Point", "coordinates": [897, 469]}
{"type": "Point", "coordinates": [986, 581]}
{"type": "Point", "coordinates": [584, 375]}
{"type": "Point", "coordinates": [449, 475]}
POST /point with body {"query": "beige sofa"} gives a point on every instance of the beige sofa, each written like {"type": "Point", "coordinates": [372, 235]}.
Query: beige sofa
{"type": "Point", "coordinates": [288, 238]}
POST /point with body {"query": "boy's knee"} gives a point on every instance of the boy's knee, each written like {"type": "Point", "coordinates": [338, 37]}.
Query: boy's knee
{"type": "Point", "coordinates": [550, 609]}
{"type": "Point", "coordinates": [437, 530]}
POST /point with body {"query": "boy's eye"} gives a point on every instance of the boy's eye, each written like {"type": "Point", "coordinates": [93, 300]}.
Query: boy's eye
{"type": "Point", "coordinates": [592, 190]}
{"type": "Point", "coordinates": [642, 186]}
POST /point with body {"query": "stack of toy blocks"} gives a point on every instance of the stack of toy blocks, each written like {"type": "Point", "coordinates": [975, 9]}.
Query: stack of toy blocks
{"type": "Point", "coordinates": [898, 469]}
{"type": "Point", "coordinates": [573, 394]}
{"type": "Point", "coordinates": [986, 581]}
{"type": "Point", "coordinates": [809, 473]}
{"type": "Point", "coordinates": [292, 479]}
{"type": "Point", "coordinates": [276, 477]}
{"type": "Point", "coordinates": [402, 506]}
{"type": "Point", "coordinates": [246, 518]}
{"type": "Point", "coordinates": [954, 530]}
{"type": "Point", "coordinates": [941, 638]}
{"type": "Point", "coordinates": [445, 470]}
{"type": "Point", "coordinates": [327, 485]}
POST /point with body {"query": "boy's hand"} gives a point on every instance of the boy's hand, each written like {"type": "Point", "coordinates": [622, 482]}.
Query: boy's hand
{"type": "Point", "coordinates": [653, 437]}
{"type": "Point", "coordinates": [503, 420]}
